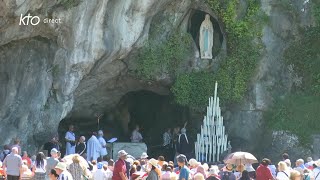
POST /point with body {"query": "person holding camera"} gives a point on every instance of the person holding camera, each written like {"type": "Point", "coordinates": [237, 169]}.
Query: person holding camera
{"type": "Point", "coordinates": [70, 141]}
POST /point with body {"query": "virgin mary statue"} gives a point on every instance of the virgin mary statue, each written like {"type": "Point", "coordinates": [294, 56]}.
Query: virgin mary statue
{"type": "Point", "coordinates": [206, 38]}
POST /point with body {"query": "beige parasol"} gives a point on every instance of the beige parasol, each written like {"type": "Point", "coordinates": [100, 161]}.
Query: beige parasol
{"type": "Point", "coordinates": [238, 158]}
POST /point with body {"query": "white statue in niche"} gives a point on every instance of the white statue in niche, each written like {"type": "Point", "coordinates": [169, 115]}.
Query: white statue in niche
{"type": "Point", "coordinates": [206, 38]}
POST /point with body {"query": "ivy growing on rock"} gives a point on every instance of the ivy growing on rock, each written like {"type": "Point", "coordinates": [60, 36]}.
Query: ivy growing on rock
{"type": "Point", "coordinates": [158, 58]}
{"type": "Point", "coordinates": [244, 50]}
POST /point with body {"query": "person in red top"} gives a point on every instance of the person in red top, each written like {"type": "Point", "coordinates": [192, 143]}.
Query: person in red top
{"type": "Point", "coordinates": [120, 170]}
{"type": "Point", "coordinates": [1, 171]}
{"type": "Point", "coordinates": [26, 158]}
{"type": "Point", "coordinates": [263, 172]}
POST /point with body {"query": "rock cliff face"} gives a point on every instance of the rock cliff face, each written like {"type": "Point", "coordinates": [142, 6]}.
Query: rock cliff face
{"type": "Point", "coordinates": [80, 66]}
{"type": "Point", "coordinates": [272, 80]}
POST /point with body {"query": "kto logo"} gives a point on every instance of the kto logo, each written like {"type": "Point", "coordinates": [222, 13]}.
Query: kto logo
{"type": "Point", "coordinates": [33, 20]}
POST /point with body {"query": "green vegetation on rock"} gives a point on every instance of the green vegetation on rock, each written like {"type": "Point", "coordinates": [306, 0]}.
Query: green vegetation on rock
{"type": "Point", "coordinates": [156, 58]}
{"type": "Point", "coordinates": [304, 54]}
{"type": "Point", "coordinates": [244, 50]}
{"type": "Point", "coordinates": [193, 89]}
{"type": "Point", "coordinates": [299, 112]}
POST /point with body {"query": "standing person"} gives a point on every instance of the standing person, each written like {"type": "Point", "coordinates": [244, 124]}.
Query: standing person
{"type": "Point", "coordinates": [316, 171]}
{"type": "Point", "coordinates": [76, 170]}
{"type": "Point", "coordinates": [184, 170]}
{"type": "Point", "coordinates": [136, 135]}
{"type": "Point", "coordinates": [226, 173]}
{"type": "Point", "coordinates": [285, 156]}
{"type": "Point", "coordinates": [152, 174]}
{"type": "Point", "coordinates": [184, 144]}
{"type": "Point", "coordinates": [71, 141]}
{"type": "Point", "coordinates": [93, 148]}
{"type": "Point", "coordinates": [103, 143]}
{"type": "Point", "coordinates": [26, 158]}
{"type": "Point", "coordinates": [53, 143]}
{"type": "Point", "coordinates": [120, 170]}
{"type": "Point", "coordinates": [62, 171]}
{"type": "Point", "coordinates": [300, 166]}
{"type": "Point", "coordinates": [12, 165]}
{"type": "Point", "coordinates": [263, 172]}
{"type": "Point", "coordinates": [144, 161]}
{"type": "Point", "coordinates": [167, 143]}
{"type": "Point", "coordinates": [176, 133]}
{"type": "Point", "coordinates": [283, 171]}
{"type": "Point", "coordinates": [16, 143]}
{"type": "Point", "coordinates": [245, 175]}
{"type": "Point", "coordinates": [81, 146]}
{"type": "Point", "coordinates": [52, 161]}
{"type": "Point", "coordinates": [39, 168]}
{"type": "Point", "coordinates": [295, 175]}
{"type": "Point", "coordinates": [6, 151]}
{"type": "Point", "coordinates": [251, 171]}
{"type": "Point", "coordinates": [309, 163]}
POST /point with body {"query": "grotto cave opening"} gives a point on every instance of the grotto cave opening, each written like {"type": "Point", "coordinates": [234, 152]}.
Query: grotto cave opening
{"type": "Point", "coordinates": [151, 111]}
{"type": "Point", "coordinates": [196, 18]}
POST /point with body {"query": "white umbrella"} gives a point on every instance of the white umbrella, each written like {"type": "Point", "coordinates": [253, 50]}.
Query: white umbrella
{"type": "Point", "coordinates": [238, 158]}
{"type": "Point", "coordinates": [68, 160]}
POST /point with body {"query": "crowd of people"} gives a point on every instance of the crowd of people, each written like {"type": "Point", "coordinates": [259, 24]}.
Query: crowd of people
{"type": "Point", "coordinates": [89, 160]}
{"type": "Point", "coordinates": [126, 167]}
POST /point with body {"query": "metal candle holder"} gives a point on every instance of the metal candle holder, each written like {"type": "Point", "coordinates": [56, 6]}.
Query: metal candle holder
{"type": "Point", "coordinates": [212, 140]}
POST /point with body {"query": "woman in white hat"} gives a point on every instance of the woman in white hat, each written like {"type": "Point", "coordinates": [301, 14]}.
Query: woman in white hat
{"type": "Point", "coordinates": [152, 174]}
{"type": "Point", "coordinates": [213, 173]}
{"type": "Point", "coordinates": [144, 161]}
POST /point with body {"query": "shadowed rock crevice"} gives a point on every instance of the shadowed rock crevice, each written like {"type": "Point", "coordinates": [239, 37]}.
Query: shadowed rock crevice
{"type": "Point", "coordinates": [153, 112]}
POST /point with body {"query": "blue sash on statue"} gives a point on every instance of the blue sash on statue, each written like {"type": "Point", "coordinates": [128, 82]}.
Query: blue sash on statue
{"type": "Point", "coordinates": [206, 40]}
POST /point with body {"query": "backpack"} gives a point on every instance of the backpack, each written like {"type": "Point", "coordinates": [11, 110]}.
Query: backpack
{"type": "Point", "coordinates": [225, 175]}
{"type": "Point", "coordinates": [4, 155]}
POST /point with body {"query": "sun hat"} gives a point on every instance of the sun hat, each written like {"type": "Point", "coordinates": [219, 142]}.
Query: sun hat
{"type": "Point", "coordinates": [122, 153]}
{"type": "Point", "coordinates": [249, 168]}
{"type": "Point", "coordinates": [54, 150]}
{"type": "Point", "coordinates": [153, 162]}
{"type": "Point", "coordinates": [193, 162]}
{"type": "Point", "coordinates": [317, 163]}
{"type": "Point", "coordinates": [62, 166]}
{"type": "Point", "coordinates": [214, 170]}
{"type": "Point", "coordinates": [144, 155]}
{"type": "Point", "coordinates": [130, 160]}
